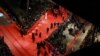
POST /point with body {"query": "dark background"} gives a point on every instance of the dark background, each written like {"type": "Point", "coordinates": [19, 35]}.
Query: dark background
{"type": "Point", "coordinates": [87, 9]}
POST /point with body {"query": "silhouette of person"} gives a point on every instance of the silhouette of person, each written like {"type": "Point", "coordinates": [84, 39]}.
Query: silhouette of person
{"type": "Point", "coordinates": [33, 36]}
{"type": "Point", "coordinates": [47, 30]}
{"type": "Point", "coordinates": [57, 24]}
{"type": "Point", "coordinates": [38, 52]}
{"type": "Point", "coordinates": [54, 24]}
{"type": "Point", "coordinates": [40, 34]}
{"type": "Point", "coordinates": [38, 48]}
{"type": "Point", "coordinates": [43, 45]}
{"type": "Point", "coordinates": [51, 26]}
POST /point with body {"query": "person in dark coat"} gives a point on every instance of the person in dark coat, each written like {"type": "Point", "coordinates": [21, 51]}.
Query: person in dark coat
{"type": "Point", "coordinates": [51, 26]}
{"type": "Point", "coordinates": [57, 24]}
{"type": "Point", "coordinates": [38, 48]}
{"type": "Point", "coordinates": [54, 24]}
{"type": "Point", "coordinates": [38, 52]}
{"type": "Point", "coordinates": [47, 30]}
{"type": "Point", "coordinates": [33, 36]}
{"type": "Point", "coordinates": [43, 45]}
{"type": "Point", "coordinates": [40, 34]}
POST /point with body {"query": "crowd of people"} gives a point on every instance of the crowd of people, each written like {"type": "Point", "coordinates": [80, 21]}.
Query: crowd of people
{"type": "Point", "coordinates": [39, 46]}
{"type": "Point", "coordinates": [47, 48]}
{"type": "Point", "coordinates": [60, 46]}
{"type": "Point", "coordinates": [4, 49]}
{"type": "Point", "coordinates": [57, 39]}
{"type": "Point", "coordinates": [52, 25]}
{"type": "Point", "coordinates": [39, 34]}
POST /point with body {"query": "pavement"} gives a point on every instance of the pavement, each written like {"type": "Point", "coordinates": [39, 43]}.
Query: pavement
{"type": "Point", "coordinates": [81, 37]}
{"type": "Point", "coordinates": [74, 42]}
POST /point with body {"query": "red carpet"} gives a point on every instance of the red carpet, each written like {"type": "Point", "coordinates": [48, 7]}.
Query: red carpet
{"type": "Point", "coordinates": [24, 46]}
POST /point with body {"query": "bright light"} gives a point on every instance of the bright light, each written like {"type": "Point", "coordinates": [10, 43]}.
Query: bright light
{"type": "Point", "coordinates": [29, 8]}
{"type": "Point", "coordinates": [1, 14]}
{"type": "Point", "coordinates": [46, 16]}
{"type": "Point", "coordinates": [39, 24]}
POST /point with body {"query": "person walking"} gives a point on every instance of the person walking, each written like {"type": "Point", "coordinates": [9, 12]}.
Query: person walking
{"type": "Point", "coordinates": [40, 34]}
{"type": "Point", "coordinates": [38, 48]}
{"type": "Point", "coordinates": [58, 24]}
{"type": "Point", "coordinates": [47, 30]}
{"type": "Point", "coordinates": [33, 36]}
{"type": "Point", "coordinates": [51, 26]}
{"type": "Point", "coordinates": [54, 24]}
